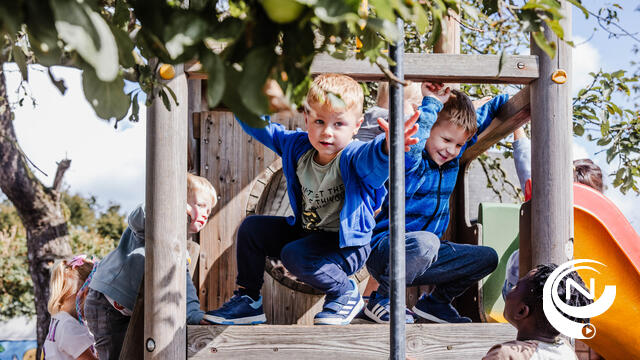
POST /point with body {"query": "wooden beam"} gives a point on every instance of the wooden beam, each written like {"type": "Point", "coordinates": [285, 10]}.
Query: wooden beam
{"type": "Point", "coordinates": [512, 115]}
{"type": "Point", "coordinates": [165, 226]}
{"type": "Point", "coordinates": [424, 341]}
{"type": "Point", "coordinates": [551, 156]}
{"type": "Point", "coordinates": [449, 68]}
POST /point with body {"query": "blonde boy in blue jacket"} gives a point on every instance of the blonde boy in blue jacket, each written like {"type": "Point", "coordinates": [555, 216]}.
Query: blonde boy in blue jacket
{"type": "Point", "coordinates": [334, 184]}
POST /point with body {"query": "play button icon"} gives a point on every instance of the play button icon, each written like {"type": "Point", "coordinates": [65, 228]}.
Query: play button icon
{"type": "Point", "coordinates": [588, 331]}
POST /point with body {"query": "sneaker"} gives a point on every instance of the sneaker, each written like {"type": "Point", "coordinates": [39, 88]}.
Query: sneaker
{"type": "Point", "coordinates": [432, 310]}
{"type": "Point", "coordinates": [379, 307]}
{"type": "Point", "coordinates": [239, 310]}
{"type": "Point", "coordinates": [341, 310]}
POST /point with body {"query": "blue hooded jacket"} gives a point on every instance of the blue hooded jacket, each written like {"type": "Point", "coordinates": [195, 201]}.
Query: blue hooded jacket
{"type": "Point", "coordinates": [429, 186]}
{"type": "Point", "coordinates": [364, 168]}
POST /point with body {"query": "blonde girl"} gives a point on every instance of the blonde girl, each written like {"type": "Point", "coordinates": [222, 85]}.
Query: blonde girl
{"type": "Point", "coordinates": [69, 337]}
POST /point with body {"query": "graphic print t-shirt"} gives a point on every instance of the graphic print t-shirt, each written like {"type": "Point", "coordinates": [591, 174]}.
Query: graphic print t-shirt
{"type": "Point", "coordinates": [322, 192]}
{"type": "Point", "coordinates": [67, 338]}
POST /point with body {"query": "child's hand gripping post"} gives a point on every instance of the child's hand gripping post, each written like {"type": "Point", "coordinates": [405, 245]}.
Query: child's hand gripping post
{"type": "Point", "coordinates": [410, 129]}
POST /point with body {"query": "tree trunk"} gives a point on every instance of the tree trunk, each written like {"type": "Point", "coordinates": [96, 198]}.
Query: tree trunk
{"type": "Point", "coordinates": [38, 208]}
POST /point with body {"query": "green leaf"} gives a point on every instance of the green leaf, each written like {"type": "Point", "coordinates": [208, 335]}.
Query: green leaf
{"type": "Point", "coordinates": [234, 102]}
{"type": "Point", "coordinates": [107, 98]}
{"type": "Point", "coordinates": [422, 20]}
{"type": "Point", "coordinates": [21, 60]}
{"type": "Point", "coordinates": [255, 71]}
{"type": "Point", "coordinates": [611, 154]}
{"type": "Point", "coordinates": [125, 47]}
{"type": "Point", "coordinates": [336, 100]}
{"type": "Point", "coordinates": [165, 99]}
{"type": "Point", "coordinates": [121, 15]}
{"type": "Point", "coordinates": [383, 9]}
{"type": "Point", "coordinates": [501, 62]}
{"type": "Point", "coordinates": [578, 4]}
{"type": "Point", "coordinates": [578, 129]}
{"type": "Point", "coordinates": [604, 128]}
{"type": "Point", "coordinates": [183, 30]}
{"type": "Point", "coordinates": [546, 46]}
{"type": "Point", "coordinates": [135, 109]}
{"type": "Point", "coordinates": [85, 31]}
{"type": "Point", "coordinates": [214, 66]}
{"type": "Point", "coordinates": [43, 36]}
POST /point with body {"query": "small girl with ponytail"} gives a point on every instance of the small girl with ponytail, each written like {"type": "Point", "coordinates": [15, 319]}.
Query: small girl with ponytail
{"type": "Point", "coordinates": [69, 337]}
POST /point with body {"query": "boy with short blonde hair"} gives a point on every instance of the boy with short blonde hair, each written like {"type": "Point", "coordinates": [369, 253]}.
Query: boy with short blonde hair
{"type": "Point", "coordinates": [448, 125]}
{"type": "Point", "coordinates": [114, 287]}
{"type": "Point", "coordinates": [334, 185]}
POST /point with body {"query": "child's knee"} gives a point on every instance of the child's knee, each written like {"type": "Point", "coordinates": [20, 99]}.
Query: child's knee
{"type": "Point", "coordinates": [423, 247]}
{"type": "Point", "coordinates": [293, 260]}
{"type": "Point", "coordinates": [489, 257]}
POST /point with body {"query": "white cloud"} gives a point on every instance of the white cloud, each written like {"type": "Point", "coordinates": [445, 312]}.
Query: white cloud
{"type": "Point", "coordinates": [105, 162]}
{"type": "Point", "coordinates": [585, 59]}
{"type": "Point", "coordinates": [579, 152]}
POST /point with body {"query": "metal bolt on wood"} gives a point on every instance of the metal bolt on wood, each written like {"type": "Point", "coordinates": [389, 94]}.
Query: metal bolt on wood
{"type": "Point", "coordinates": [151, 345]}
{"type": "Point", "coordinates": [520, 65]}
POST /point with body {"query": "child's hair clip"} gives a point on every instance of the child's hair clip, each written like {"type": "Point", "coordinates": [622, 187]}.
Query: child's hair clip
{"type": "Point", "coordinates": [78, 260]}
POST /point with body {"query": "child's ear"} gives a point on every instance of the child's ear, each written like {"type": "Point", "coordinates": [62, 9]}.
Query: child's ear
{"type": "Point", "coordinates": [358, 124]}
{"type": "Point", "coordinates": [523, 312]}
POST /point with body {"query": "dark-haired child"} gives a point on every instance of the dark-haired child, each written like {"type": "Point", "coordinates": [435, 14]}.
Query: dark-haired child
{"type": "Point", "coordinates": [537, 338]}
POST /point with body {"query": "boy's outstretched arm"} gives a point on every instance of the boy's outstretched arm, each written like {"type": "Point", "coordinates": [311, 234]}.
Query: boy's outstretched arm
{"type": "Point", "coordinates": [410, 128]}
{"type": "Point", "coordinates": [488, 111]}
{"type": "Point", "coordinates": [434, 96]}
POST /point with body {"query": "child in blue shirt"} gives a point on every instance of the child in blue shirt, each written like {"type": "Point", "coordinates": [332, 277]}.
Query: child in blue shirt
{"type": "Point", "coordinates": [448, 125]}
{"type": "Point", "coordinates": [334, 184]}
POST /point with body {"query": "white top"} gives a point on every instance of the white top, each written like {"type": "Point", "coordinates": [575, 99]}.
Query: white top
{"type": "Point", "coordinates": [67, 338]}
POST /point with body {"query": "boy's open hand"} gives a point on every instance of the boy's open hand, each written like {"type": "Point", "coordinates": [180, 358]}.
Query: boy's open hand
{"type": "Point", "coordinates": [410, 129]}
{"type": "Point", "coordinates": [437, 90]}
{"type": "Point", "coordinates": [277, 101]}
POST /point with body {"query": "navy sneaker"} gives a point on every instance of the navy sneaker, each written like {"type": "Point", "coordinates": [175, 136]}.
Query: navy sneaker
{"type": "Point", "coordinates": [341, 310]}
{"type": "Point", "coordinates": [378, 309]}
{"type": "Point", "coordinates": [432, 310]}
{"type": "Point", "coordinates": [239, 310]}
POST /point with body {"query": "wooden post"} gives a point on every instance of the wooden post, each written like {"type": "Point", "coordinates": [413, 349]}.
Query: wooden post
{"type": "Point", "coordinates": [165, 265]}
{"type": "Point", "coordinates": [551, 118]}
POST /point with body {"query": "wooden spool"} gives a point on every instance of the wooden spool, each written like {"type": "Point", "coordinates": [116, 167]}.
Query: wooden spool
{"type": "Point", "coordinates": [269, 197]}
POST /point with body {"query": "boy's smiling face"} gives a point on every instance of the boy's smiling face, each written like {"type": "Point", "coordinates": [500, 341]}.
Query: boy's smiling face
{"type": "Point", "coordinates": [199, 210]}
{"type": "Point", "coordinates": [445, 141]}
{"type": "Point", "coordinates": [330, 131]}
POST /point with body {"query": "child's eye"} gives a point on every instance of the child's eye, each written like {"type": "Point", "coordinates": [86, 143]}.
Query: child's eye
{"type": "Point", "coordinates": [338, 124]}
{"type": "Point", "coordinates": [319, 121]}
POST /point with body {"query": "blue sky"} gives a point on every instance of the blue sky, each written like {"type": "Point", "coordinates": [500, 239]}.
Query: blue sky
{"type": "Point", "coordinates": [109, 163]}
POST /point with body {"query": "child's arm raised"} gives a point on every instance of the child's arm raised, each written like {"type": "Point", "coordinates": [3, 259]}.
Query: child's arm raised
{"type": "Point", "coordinates": [434, 96]}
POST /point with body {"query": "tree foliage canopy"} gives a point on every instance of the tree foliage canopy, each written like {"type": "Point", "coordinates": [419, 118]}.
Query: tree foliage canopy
{"type": "Point", "coordinates": [112, 40]}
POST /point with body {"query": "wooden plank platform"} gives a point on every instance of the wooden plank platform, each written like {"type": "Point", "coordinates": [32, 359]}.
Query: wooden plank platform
{"type": "Point", "coordinates": [449, 68]}
{"type": "Point", "coordinates": [371, 341]}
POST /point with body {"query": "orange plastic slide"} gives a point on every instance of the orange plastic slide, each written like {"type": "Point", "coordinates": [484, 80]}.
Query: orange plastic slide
{"type": "Point", "coordinates": [602, 233]}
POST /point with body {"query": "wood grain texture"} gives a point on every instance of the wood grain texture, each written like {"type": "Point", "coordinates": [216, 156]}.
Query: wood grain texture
{"type": "Point", "coordinates": [449, 68]}
{"type": "Point", "coordinates": [512, 115]}
{"type": "Point", "coordinates": [166, 224]}
{"type": "Point", "coordinates": [424, 341]}
{"type": "Point", "coordinates": [551, 152]}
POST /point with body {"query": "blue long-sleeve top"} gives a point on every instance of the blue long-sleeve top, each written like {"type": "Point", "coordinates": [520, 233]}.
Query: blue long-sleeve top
{"type": "Point", "coordinates": [364, 168]}
{"type": "Point", "coordinates": [429, 186]}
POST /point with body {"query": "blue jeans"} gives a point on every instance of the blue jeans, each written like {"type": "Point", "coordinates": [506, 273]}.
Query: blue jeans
{"type": "Point", "coordinates": [108, 325]}
{"type": "Point", "coordinates": [314, 257]}
{"type": "Point", "coordinates": [451, 267]}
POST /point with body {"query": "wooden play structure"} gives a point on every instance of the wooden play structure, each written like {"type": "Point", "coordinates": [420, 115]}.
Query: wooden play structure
{"type": "Point", "coordinates": [248, 180]}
